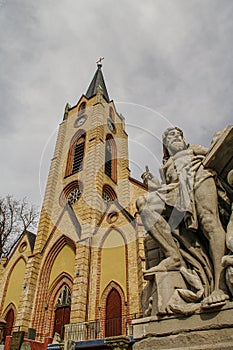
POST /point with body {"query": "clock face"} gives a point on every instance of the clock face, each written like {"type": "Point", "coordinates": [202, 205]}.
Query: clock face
{"type": "Point", "coordinates": [80, 121]}
{"type": "Point", "coordinates": [111, 125]}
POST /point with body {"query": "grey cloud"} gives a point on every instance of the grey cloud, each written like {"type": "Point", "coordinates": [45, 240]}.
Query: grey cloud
{"type": "Point", "coordinates": [168, 61]}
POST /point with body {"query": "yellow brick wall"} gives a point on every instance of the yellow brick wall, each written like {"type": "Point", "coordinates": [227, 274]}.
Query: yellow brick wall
{"type": "Point", "coordinates": [64, 262]}
{"type": "Point", "coordinates": [113, 262]}
{"type": "Point", "coordinates": [15, 284]}
{"type": "Point", "coordinates": [102, 255]}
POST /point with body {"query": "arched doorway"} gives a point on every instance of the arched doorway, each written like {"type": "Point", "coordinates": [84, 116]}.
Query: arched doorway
{"type": "Point", "coordinates": [62, 311]}
{"type": "Point", "coordinates": [10, 318]}
{"type": "Point", "coordinates": [113, 320]}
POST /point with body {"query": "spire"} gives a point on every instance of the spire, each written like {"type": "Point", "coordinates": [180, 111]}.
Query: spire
{"type": "Point", "coordinates": [97, 81]}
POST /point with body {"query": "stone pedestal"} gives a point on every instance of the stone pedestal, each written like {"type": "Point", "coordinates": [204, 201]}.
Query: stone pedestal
{"type": "Point", "coordinates": [160, 292]}
{"type": "Point", "coordinates": [120, 342]}
{"type": "Point", "coordinates": [212, 329]}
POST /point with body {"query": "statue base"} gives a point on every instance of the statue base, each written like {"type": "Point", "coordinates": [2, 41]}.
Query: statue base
{"type": "Point", "coordinates": [212, 329]}
{"type": "Point", "coordinates": [160, 292]}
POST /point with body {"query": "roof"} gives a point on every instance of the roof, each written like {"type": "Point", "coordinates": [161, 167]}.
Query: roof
{"type": "Point", "coordinates": [31, 239]}
{"type": "Point", "coordinates": [122, 210]}
{"type": "Point", "coordinates": [98, 80]}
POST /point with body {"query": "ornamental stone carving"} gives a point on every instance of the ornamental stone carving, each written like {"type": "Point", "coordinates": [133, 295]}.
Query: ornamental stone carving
{"type": "Point", "coordinates": [189, 223]}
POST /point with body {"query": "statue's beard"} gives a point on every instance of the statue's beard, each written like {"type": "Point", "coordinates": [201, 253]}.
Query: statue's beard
{"type": "Point", "coordinates": [176, 146]}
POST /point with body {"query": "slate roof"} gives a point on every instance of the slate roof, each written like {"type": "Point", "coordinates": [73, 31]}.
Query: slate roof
{"type": "Point", "coordinates": [31, 239]}
{"type": "Point", "coordinates": [98, 80]}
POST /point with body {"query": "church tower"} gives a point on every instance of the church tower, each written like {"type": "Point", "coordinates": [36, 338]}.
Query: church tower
{"type": "Point", "coordinates": [85, 267]}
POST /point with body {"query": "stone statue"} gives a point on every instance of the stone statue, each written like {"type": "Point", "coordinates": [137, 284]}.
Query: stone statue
{"type": "Point", "coordinates": [181, 214]}
{"type": "Point", "coordinates": [227, 260]}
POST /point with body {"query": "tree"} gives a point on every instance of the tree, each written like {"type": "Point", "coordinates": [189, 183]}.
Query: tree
{"type": "Point", "coordinates": [16, 216]}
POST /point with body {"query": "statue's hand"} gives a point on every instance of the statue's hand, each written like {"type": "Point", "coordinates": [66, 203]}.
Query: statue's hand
{"type": "Point", "coordinates": [147, 175]}
{"type": "Point", "coordinates": [150, 180]}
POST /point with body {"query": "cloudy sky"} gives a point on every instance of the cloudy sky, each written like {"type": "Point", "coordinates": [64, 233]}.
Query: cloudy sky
{"type": "Point", "coordinates": [166, 62]}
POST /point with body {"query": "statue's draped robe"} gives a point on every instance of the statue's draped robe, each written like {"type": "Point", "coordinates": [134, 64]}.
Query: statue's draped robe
{"type": "Point", "coordinates": [181, 175]}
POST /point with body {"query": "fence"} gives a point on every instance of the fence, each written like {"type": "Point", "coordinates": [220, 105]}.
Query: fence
{"type": "Point", "coordinates": [99, 329]}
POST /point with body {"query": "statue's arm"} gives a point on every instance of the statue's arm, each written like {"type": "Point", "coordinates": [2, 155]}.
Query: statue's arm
{"type": "Point", "coordinates": [199, 150]}
{"type": "Point", "coordinates": [151, 181]}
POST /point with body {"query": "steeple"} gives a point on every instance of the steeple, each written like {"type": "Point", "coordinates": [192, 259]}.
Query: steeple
{"type": "Point", "coordinates": [98, 80]}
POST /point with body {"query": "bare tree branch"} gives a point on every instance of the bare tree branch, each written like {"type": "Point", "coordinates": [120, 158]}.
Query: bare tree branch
{"type": "Point", "coordinates": [16, 216]}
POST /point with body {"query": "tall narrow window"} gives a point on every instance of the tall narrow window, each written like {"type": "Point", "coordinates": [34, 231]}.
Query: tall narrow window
{"type": "Point", "coordinates": [110, 158]}
{"type": "Point", "coordinates": [82, 108]}
{"type": "Point", "coordinates": [111, 113]}
{"type": "Point", "coordinates": [76, 153]}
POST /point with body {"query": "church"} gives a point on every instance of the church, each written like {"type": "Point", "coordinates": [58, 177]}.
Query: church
{"type": "Point", "coordinates": [80, 278]}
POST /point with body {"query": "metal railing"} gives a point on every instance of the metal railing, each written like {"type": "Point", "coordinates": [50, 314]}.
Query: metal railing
{"type": "Point", "coordinates": [99, 329]}
{"type": "Point", "coordinates": [82, 331]}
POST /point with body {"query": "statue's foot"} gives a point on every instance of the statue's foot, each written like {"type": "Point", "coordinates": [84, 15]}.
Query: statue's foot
{"type": "Point", "coordinates": [216, 299]}
{"type": "Point", "coordinates": [168, 264]}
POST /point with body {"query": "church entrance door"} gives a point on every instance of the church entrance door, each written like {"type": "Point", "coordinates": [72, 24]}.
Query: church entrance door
{"type": "Point", "coordinates": [62, 317]}
{"type": "Point", "coordinates": [62, 311]}
{"type": "Point", "coordinates": [113, 325]}
{"type": "Point", "coordinates": [10, 317]}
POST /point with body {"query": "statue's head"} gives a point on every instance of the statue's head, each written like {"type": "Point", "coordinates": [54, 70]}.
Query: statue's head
{"type": "Point", "coordinates": [173, 141]}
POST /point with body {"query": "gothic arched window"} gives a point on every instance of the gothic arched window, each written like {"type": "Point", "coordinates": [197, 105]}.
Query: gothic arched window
{"type": "Point", "coordinates": [108, 194]}
{"type": "Point", "coordinates": [76, 153]}
{"type": "Point", "coordinates": [82, 108]}
{"type": "Point", "coordinates": [110, 158]}
{"type": "Point", "coordinates": [79, 146]}
{"type": "Point", "coordinates": [64, 297]}
{"type": "Point", "coordinates": [111, 113]}
{"type": "Point", "coordinates": [71, 193]}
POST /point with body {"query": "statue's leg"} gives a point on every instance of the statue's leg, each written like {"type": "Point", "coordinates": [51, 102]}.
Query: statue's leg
{"type": "Point", "coordinates": [160, 231]}
{"type": "Point", "coordinates": [207, 211]}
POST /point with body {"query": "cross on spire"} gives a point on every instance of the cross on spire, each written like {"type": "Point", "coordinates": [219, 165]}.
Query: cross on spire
{"type": "Point", "coordinates": [98, 80]}
{"type": "Point", "coordinates": [99, 64]}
